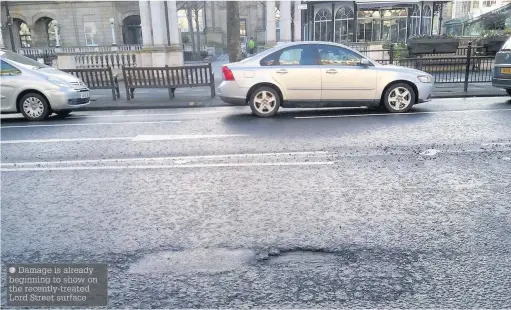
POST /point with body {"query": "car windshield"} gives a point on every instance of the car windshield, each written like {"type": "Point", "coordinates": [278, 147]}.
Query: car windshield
{"type": "Point", "coordinates": [22, 59]}
{"type": "Point", "coordinates": [507, 45]}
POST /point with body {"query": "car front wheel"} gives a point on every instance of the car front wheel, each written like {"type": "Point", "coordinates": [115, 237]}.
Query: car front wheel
{"type": "Point", "coordinates": [34, 107]}
{"type": "Point", "coordinates": [508, 91]}
{"type": "Point", "coordinates": [264, 102]}
{"type": "Point", "coordinates": [399, 98]}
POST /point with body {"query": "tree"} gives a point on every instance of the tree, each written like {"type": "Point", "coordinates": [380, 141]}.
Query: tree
{"type": "Point", "coordinates": [192, 9]}
{"type": "Point", "coordinates": [233, 31]}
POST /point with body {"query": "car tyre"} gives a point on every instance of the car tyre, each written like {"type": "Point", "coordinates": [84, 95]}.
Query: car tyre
{"type": "Point", "coordinates": [508, 91]}
{"type": "Point", "coordinates": [34, 107]}
{"type": "Point", "coordinates": [264, 102]}
{"type": "Point", "coordinates": [399, 98]}
{"type": "Point", "coordinates": [63, 113]}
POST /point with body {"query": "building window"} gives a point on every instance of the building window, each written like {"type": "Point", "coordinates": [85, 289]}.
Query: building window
{"type": "Point", "coordinates": [182, 20]}
{"type": "Point", "coordinates": [415, 18]}
{"type": "Point", "coordinates": [488, 4]}
{"type": "Point", "coordinates": [323, 25]}
{"type": "Point", "coordinates": [369, 26]}
{"type": "Point", "coordinates": [475, 5]}
{"type": "Point", "coordinates": [90, 33]}
{"type": "Point", "coordinates": [343, 24]}
{"type": "Point", "coordinates": [25, 36]}
{"type": "Point", "coordinates": [243, 27]}
{"type": "Point", "coordinates": [426, 20]}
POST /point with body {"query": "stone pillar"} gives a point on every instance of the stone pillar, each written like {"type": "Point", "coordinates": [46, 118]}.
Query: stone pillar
{"type": "Point", "coordinates": [173, 24]}
{"type": "Point", "coordinates": [2, 34]}
{"type": "Point", "coordinates": [145, 22]}
{"type": "Point", "coordinates": [298, 22]}
{"type": "Point", "coordinates": [271, 32]}
{"type": "Point", "coordinates": [285, 20]}
{"type": "Point", "coordinates": [158, 23]}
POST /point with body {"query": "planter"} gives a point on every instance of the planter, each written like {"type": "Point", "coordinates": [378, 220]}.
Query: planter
{"type": "Point", "coordinates": [433, 46]}
{"type": "Point", "coordinates": [493, 45]}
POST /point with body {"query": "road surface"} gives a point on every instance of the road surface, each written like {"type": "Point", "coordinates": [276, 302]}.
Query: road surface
{"type": "Point", "coordinates": [314, 208]}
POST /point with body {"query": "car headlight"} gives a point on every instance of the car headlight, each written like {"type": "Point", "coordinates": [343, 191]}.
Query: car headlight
{"type": "Point", "coordinates": [57, 81]}
{"type": "Point", "coordinates": [425, 78]}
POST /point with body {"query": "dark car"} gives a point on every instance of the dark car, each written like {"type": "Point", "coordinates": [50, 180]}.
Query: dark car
{"type": "Point", "coordinates": [502, 71]}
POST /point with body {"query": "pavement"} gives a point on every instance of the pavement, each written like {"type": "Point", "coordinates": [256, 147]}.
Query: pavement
{"type": "Point", "coordinates": [201, 96]}
{"type": "Point", "coordinates": [214, 208]}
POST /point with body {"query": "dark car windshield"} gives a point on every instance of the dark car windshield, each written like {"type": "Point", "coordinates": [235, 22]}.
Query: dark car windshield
{"type": "Point", "coordinates": [22, 59]}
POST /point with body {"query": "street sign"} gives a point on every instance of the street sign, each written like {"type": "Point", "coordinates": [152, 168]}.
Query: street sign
{"type": "Point", "coordinates": [302, 6]}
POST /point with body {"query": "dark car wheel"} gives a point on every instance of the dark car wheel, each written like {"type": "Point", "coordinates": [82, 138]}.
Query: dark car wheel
{"type": "Point", "coordinates": [399, 98]}
{"type": "Point", "coordinates": [34, 107]}
{"type": "Point", "coordinates": [264, 102]}
{"type": "Point", "coordinates": [508, 91]}
{"type": "Point", "coordinates": [63, 113]}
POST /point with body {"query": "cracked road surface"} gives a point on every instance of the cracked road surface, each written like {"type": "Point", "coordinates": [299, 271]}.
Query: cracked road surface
{"type": "Point", "coordinates": [209, 208]}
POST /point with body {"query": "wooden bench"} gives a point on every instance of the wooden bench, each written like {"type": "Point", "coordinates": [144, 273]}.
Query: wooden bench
{"type": "Point", "coordinates": [98, 78]}
{"type": "Point", "coordinates": [168, 77]}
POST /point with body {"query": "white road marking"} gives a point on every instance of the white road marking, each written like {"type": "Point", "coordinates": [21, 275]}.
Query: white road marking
{"type": "Point", "coordinates": [175, 158]}
{"type": "Point", "coordinates": [63, 140]}
{"type": "Point", "coordinates": [180, 137]}
{"type": "Point", "coordinates": [89, 124]}
{"type": "Point", "coordinates": [133, 139]}
{"type": "Point", "coordinates": [497, 144]}
{"type": "Point", "coordinates": [430, 152]}
{"type": "Point", "coordinates": [219, 165]}
{"type": "Point", "coordinates": [402, 114]}
{"type": "Point", "coordinates": [144, 115]}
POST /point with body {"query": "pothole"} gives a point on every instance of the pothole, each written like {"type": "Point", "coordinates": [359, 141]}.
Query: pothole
{"type": "Point", "coordinates": [193, 261]}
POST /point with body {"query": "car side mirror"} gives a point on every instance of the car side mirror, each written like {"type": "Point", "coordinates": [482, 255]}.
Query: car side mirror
{"type": "Point", "coordinates": [364, 62]}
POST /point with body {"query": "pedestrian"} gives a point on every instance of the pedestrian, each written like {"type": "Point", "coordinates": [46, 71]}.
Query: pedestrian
{"type": "Point", "coordinates": [251, 46]}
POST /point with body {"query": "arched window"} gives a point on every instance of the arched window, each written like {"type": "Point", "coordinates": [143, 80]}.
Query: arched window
{"type": "Point", "coordinates": [343, 24]}
{"type": "Point", "coordinates": [426, 19]}
{"type": "Point", "coordinates": [25, 37]}
{"type": "Point", "coordinates": [415, 19]}
{"type": "Point", "coordinates": [131, 30]}
{"type": "Point", "coordinates": [323, 25]}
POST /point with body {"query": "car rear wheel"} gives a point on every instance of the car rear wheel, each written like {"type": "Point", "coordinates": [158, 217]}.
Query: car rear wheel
{"type": "Point", "coordinates": [399, 98]}
{"type": "Point", "coordinates": [63, 113]}
{"type": "Point", "coordinates": [34, 107]}
{"type": "Point", "coordinates": [508, 91]}
{"type": "Point", "coordinates": [264, 102]}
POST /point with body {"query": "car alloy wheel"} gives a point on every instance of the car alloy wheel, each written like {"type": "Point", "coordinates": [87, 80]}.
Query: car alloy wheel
{"type": "Point", "coordinates": [33, 107]}
{"type": "Point", "coordinates": [399, 98]}
{"type": "Point", "coordinates": [264, 102]}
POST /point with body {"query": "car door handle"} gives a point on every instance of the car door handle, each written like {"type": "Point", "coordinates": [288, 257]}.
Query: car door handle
{"type": "Point", "coordinates": [282, 71]}
{"type": "Point", "coordinates": [331, 71]}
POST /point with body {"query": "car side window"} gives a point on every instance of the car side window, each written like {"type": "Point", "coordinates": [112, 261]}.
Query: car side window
{"type": "Point", "coordinates": [291, 56]}
{"type": "Point", "coordinates": [334, 55]}
{"type": "Point", "coordinates": [7, 69]}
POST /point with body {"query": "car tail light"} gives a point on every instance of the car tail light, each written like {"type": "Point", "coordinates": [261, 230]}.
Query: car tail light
{"type": "Point", "coordinates": [228, 76]}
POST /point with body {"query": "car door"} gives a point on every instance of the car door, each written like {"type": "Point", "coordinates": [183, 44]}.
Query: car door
{"type": "Point", "coordinates": [10, 84]}
{"type": "Point", "coordinates": [343, 78]}
{"type": "Point", "coordinates": [295, 70]}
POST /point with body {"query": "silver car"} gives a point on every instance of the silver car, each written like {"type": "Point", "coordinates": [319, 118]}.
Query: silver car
{"type": "Point", "coordinates": [37, 90]}
{"type": "Point", "coordinates": [502, 72]}
{"type": "Point", "coordinates": [321, 74]}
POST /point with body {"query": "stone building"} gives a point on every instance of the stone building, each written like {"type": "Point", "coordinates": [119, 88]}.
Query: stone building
{"type": "Point", "coordinates": [159, 31]}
